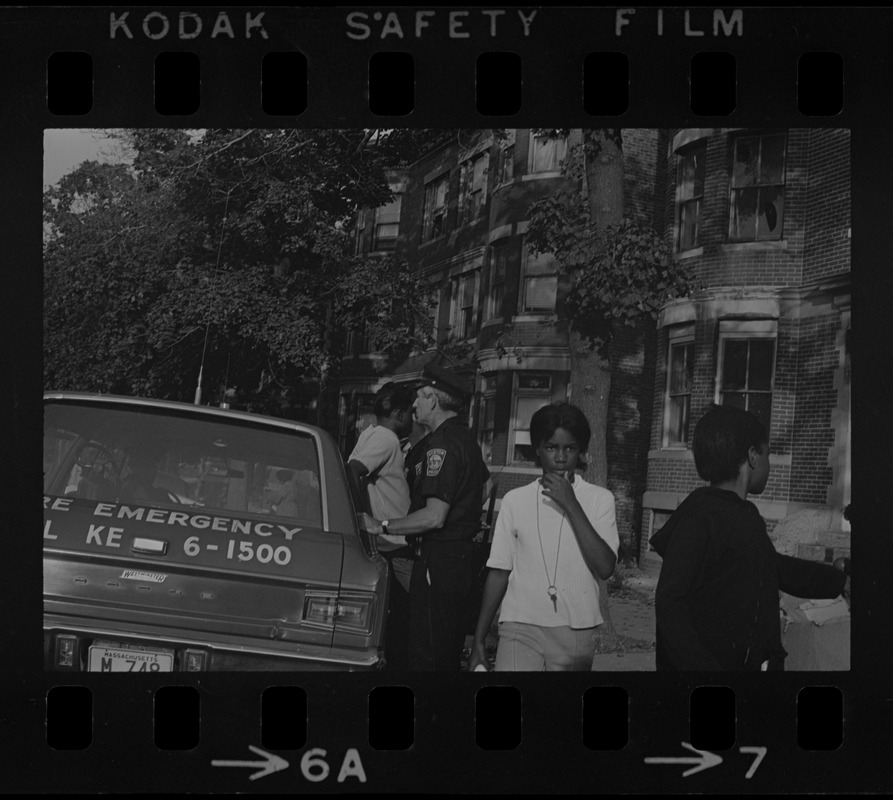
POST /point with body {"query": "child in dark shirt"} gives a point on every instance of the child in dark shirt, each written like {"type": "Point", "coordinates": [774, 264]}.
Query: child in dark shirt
{"type": "Point", "coordinates": [717, 601]}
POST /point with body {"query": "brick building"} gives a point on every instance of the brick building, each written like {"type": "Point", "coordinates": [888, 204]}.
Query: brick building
{"type": "Point", "coordinates": [763, 220]}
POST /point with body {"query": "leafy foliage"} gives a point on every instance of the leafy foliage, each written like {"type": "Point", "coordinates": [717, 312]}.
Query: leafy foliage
{"type": "Point", "coordinates": [231, 249]}
{"type": "Point", "coordinates": [619, 275]}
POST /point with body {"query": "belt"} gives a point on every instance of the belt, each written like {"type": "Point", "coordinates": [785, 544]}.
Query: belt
{"type": "Point", "coordinates": [407, 551]}
{"type": "Point", "coordinates": [422, 545]}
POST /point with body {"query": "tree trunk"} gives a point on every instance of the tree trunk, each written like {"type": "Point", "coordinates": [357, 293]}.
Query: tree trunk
{"type": "Point", "coordinates": [590, 367]}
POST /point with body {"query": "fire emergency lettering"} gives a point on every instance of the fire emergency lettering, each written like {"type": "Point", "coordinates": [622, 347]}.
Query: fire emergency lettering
{"type": "Point", "coordinates": [57, 504]}
{"type": "Point", "coordinates": [112, 536]}
{"type": "Point", "coordinates": [101, 535]}
{"type": "Point", "coordinates": [125, 512]}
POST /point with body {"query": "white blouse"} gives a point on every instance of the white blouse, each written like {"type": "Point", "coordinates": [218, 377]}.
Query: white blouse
{"type": "Point", "coordinates": [528, 518]}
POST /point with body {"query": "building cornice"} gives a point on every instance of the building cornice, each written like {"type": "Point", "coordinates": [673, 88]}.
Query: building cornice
{"type": "Point", "coordinates": [756, 302]}
{"type": "Point", "coordinates": [533, 358]}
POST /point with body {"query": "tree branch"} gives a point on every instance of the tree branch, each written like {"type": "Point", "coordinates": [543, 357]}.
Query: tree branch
{"type": "Point", "coordinates": [220, 149]}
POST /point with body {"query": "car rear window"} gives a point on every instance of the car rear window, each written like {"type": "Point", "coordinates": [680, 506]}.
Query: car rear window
{"type": "Point", "coordinates": [166, 458]}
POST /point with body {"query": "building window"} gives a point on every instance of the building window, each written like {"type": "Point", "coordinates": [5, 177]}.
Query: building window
{"type": "Point", "coordinates": [356, 415]}
{"type": "Point", "coordinates": [680, 372]}
{"type": "Point", "coordinates": [757, 202]}
{"type": "Point", "coordinates": [358, 341]}
{"type": "Point", "coordinates": [689, 195]}
{"type": "Point", "coordinates": [498, 264]}
{"type": "Point", "coordinates": [539, 289]}
{"type": "Point", "coordinates": [464, 300]}
{"type": "Point", "coordinates": [506, 164]}
{"type": "Point", "coordinates": [487, 419]}
{"type": "Point", "coordinates": [387, 224]}
{"type": "Point", "coordinates": [434, 217]}
{"type": "Point", "coordinates": [533, 390]}
{"type": "Point", "coordinates": [474, 188]}
{"type": "Point", "coordinates": [361, 228]}
{"type": "Point", "coordinates": [547, 153]}
{"type": "Point", "coordinates": [747, 367]}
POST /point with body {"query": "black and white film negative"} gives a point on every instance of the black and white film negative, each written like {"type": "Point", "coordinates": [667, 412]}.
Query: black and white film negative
{"type": "Point", "coordinates": [271, 244]}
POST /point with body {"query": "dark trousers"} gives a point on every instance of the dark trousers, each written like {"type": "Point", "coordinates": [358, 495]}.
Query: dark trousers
{"type": "Point", "coordinates": [439, 595]}
{"type": "Point", "coordinates": [397, 631]}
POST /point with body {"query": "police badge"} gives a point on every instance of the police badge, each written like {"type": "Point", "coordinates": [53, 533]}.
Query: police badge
{"type": "Point", "coordinates": [435, 461]}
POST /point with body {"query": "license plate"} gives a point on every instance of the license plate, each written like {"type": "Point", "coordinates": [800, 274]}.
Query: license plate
{"type": "Point", "coordinates": [121, 659]}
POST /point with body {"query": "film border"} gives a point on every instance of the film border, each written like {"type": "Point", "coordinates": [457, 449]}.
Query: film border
{"type": "Point", "coordinates": [551, 756]}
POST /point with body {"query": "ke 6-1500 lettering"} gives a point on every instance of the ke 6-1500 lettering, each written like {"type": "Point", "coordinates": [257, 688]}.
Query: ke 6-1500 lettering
{"type": "Point", "coordinates": [246, 551]}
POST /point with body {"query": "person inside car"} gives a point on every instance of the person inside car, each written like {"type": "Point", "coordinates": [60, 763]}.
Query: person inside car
{"type": "Point", "coordinates": [139, 484]}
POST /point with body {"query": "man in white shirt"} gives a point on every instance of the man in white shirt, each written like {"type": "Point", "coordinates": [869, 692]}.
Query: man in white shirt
{"type": "Point", "coordinates": [377, 463]}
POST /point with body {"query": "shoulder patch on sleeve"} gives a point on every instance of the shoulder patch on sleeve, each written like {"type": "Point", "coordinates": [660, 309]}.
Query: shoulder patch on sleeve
{"type": "Point", "coordinates": [435, 461]}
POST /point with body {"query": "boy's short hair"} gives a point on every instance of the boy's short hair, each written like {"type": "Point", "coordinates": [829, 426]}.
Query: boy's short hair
{"type": "Point", "coordinates": [722, 439]}
{"type": "Point", "coordinates": [393, 397]}
{"type": "Point", "coordinates": [548, 419]}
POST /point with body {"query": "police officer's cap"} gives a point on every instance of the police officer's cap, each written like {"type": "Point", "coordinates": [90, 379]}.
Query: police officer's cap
{"type": "Point", "coordinates": [446, 380]}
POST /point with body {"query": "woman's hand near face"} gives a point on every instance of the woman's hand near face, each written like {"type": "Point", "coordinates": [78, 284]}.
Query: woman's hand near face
{"type": "Point", "coordinates": [560, 489]}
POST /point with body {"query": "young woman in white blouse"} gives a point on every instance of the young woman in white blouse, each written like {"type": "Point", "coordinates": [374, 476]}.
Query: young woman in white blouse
{"type": "Point", "coordinates": [551, 539]}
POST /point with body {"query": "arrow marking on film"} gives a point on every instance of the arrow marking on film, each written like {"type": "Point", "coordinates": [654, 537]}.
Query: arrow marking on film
{"type": "Point", "coordinates": [705, 760]}
{"type": "Point", "coordinates": [760, 753]}
{"type": "Point", "coordinates": [270, 763]}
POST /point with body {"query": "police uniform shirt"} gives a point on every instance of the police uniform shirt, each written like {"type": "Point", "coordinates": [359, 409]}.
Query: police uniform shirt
{"type": "Point", "coordinates": [449, 466]}
{"type": "Point", "coordinates": [414, 462]}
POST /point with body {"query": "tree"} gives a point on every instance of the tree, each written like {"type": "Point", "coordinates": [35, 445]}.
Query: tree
{"type": "Point", "coordinates": [621, 273]}
{"type": "Point", "coordinates": [225, 251]}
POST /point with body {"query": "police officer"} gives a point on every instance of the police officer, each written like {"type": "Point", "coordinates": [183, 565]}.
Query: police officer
{"type": "Point", "coordinates": [448, 478]}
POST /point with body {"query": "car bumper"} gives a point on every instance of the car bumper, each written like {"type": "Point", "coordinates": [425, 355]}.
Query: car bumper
{"type": "Point", "coordinates": [221, 653]}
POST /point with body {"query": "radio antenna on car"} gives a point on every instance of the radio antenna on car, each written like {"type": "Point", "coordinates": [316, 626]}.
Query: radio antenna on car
{"type": "Point", "coordinates": [201, 367]}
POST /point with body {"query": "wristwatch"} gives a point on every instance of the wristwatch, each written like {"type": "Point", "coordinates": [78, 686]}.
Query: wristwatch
{"type": "Point", "coordinates": [384, 526]}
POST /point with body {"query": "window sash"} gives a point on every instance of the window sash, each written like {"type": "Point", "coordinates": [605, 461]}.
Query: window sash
{"type": "Point", "coordinates": [540, 293]}
{"type": "Point", "coordinates": [507, 164]}
{"type": "Point", "coordinates": [464, 295]}
{"type": "Point", "coordinates": [525, 406]}
{"type": "Point", "coordinates": [498, 267]}
{"type": "Point", "coordinates": [387, 224]}
{"type": "Point", "coordinates": [547, 153]}
{"type": "Point", "coordinates": [757, 188]}
{"type": "Point", "coordinates": [680, 375]}
{"type": "Point", "coordinates": [747, 375]}
{"type": "Point", "coordinates": [527, 399]}
{"type": "Point", "coordinates": [487, 427]}
{"type": "Point", "coordinates": [434, 217]}
{"type": "Point", "coordinates": [474, 184]}
{"type": "Point", "coordinates": [690, 191]}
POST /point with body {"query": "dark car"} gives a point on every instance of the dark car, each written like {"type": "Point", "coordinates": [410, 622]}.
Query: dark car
{"type": "Point", "coordinates": [189, 538]}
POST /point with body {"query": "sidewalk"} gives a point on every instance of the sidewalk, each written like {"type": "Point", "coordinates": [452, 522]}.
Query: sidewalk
{"type": "Point", "coordinates": [632, 610]}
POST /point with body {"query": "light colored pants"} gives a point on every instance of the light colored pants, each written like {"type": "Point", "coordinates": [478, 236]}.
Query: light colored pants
{"type": "Point", "coordinates": [533, 648]}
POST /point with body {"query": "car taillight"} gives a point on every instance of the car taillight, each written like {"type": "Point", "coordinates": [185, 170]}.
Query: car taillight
{"type": "Point", "coordinates": [346, 612]}
{"type": "Point", "coordinates": [66, 650]}
{"type": "Point", "coordinates": [194, 660]}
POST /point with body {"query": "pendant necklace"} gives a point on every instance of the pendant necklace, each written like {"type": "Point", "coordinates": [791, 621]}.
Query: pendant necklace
{"type": "Point", "coordinates": [553, 589]}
